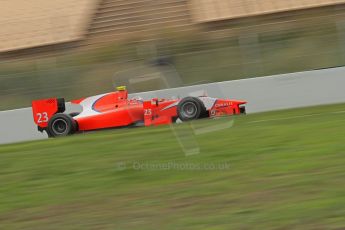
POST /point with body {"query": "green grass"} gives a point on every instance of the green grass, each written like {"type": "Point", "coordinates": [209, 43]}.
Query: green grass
{"type": "Point", "coordinates": [286, 172]}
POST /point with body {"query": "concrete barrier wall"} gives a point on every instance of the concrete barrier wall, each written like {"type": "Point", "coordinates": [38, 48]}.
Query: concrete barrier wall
{"type": "Point", "coordinates": [27, 24]}
{"type": "Point", "coordinates": [204, 11]}
{"type": "Point", "coordinates": [263, 94]}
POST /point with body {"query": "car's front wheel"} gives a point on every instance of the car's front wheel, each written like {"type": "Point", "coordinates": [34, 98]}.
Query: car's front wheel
{"type": "Point", "coordinates": [61, 125]}
{"type": "Point", "coordinates": [190, 108]}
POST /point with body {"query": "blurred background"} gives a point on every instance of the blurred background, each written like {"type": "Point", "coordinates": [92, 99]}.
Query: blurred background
{"type": "Point", "coordinates": [75, 48]}
{"type": "Point", "coordinates": [275, 170]}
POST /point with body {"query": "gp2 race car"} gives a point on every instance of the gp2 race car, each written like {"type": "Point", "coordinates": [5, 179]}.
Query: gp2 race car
{"type": "Point", "coordinates": [115, 109]}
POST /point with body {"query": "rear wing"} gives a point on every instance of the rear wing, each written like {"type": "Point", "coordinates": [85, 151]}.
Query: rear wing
{"type": "Point", "coordinates": [43, 110]}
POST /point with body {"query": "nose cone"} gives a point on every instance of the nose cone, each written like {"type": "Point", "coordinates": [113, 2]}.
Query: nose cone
{"type": "Point", "coordinates": [240, 102]}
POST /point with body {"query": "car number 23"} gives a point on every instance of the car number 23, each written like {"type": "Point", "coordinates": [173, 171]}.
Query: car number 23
{"type": "Point", "coordinates": [147, 112]}
{"type": "Point", "coordinates": [42, 117]}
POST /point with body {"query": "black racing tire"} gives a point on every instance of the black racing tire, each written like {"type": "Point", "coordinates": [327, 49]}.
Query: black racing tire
{"type": "Point", "coordinates": [61, 125]}
{"type": "Point", "coordinates": [190, 108]}
{"type": "Point", "coordinates": [74, 114]}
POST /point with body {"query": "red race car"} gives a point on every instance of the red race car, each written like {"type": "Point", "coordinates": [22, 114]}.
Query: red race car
{"type": "Point", "coordinates": [115, 109]}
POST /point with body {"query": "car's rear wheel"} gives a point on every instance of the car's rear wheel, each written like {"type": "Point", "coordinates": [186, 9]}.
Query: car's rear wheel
{"type": "Point", "coordinates": [74, 114]}
{"type": "Point", "coordinates": [61, 125]}
{"type": "Point", "coordinates": [190, 108]}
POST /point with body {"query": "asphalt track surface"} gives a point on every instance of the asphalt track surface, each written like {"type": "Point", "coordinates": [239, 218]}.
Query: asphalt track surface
{"type": "Point", "coordinates": [277, 92]}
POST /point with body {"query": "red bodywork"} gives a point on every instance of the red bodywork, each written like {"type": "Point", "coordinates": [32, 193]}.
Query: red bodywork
{"type": "Point", "coordinates": [116, 110]}
{"type": "Point", "coordinates": [43, 110]}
